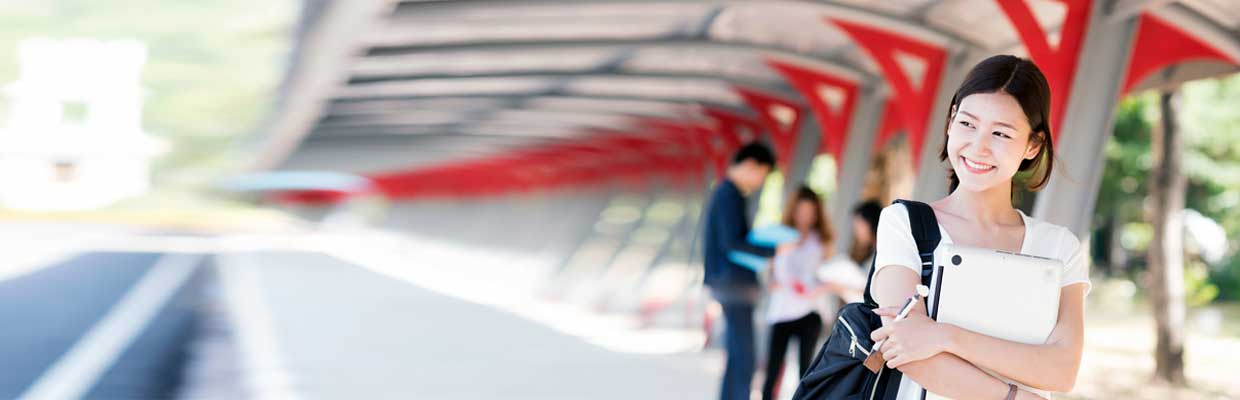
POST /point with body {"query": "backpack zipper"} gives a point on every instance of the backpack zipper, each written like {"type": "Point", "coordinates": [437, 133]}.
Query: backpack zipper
{"type": "Point", "coordinates": [852, 353]}
{"type": "Point", "coordinates": [854, 346]}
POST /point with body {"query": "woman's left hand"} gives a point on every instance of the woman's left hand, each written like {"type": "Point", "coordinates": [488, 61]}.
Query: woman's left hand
{"type": "Point", "coordinates": [915, 338]}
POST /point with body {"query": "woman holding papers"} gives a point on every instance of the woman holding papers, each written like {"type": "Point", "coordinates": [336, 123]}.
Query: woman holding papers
{"type": "Point", "coordinates": [847, 272]}
{"type": "Point", "coordinates": [795, 290]}
{"type": "Point", "coordinates": [998, 140]}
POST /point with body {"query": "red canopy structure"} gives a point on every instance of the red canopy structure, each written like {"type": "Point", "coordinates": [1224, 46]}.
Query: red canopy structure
{"type": "Point", "coordinates": [435, 99]}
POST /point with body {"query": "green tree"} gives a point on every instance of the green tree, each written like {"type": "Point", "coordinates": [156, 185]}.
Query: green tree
{"type": "Point", "coordinates": [1210, 122]}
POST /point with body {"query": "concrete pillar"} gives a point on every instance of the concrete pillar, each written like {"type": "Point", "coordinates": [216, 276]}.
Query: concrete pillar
{"type": "Point", "coordinates": [1087, 126]}
{"type": "Point", "coordinates": [931, 183]}
{"type": "Point", "coordinates": [808, 141]}
{"type": "Point", "coordinates": [858, 153]}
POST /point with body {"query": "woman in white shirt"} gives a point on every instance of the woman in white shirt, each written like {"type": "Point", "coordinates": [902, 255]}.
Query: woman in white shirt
{"type": "Point", "coordinates": [997, 130]}
{"type": "Point", "coordinates": [795, 290]}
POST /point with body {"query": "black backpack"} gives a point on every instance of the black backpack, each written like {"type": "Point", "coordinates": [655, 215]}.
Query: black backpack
{"type": "Point", "coordinates": [837, 372]}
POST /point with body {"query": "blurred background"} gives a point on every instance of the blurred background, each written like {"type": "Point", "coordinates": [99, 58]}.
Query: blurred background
{"type": "Point", "coordinates": [472, 198]}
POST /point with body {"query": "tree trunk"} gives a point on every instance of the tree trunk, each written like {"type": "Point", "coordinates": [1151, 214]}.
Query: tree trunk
{"type": "Point", "coordinates": [1168, 186]}
{"type": "Point", "coordinates": [1117, 257]}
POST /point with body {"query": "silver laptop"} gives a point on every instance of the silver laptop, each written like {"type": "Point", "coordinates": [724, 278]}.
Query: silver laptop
{"type": "Point", "coordinates": [996, 293]}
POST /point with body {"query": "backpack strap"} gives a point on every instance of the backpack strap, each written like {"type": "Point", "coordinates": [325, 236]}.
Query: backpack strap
{"type": "Point", "coordinates": [925, 229]}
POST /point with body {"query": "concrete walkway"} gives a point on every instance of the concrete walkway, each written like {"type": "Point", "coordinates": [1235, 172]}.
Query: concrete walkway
{"type": "Point", "coordinates": [312, 326]}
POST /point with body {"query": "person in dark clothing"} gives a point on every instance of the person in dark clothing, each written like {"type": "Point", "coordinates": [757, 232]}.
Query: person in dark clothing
{"type": "Point", "coordinates": [735, 287]}
{"type": "Point", "coordinates": [865, 229]}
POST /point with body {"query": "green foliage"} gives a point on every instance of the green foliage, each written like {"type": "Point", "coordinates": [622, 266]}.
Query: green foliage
{"type": "Point", "coordinates": [1198, 290]}
{"type": "Point", "coordinates": [771, 200]}
{"type": "Point", "coordinates": [1128, 164]}
{"type": "Point", "coordinates": [1227, 278]}
{"type": "Point", "coordinates": [1209, 117]}
{"type": "Point", "coordinates": [822, 176]}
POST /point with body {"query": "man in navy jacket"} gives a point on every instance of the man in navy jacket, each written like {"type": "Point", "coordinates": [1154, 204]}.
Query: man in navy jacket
{"type": "Point", "coordinates": [733, 286]}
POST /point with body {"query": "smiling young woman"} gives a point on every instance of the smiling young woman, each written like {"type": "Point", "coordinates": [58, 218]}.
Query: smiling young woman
{"type": "Point", "coordinates": [998, 136]}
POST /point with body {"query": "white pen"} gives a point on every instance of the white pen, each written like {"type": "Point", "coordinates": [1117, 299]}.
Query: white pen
{"type": "Point", "coordinates": [922, 291]}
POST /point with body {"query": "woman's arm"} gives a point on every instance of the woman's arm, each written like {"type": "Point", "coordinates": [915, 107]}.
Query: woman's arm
{"type": "Point", "coordinates": [1052, 366]}
{"type": "Point", "coordinates": [950, 376]}
{"type": "Point", "coordinates": [942, 373]}
{"type": "Point", "coordinates": [828, 250]}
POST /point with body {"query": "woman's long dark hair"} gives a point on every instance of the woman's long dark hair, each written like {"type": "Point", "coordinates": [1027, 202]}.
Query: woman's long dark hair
{"type": "Point", "coordinates": [822, 223]}
{"type": "Point", "coordinates": [1021, 79]}
{"type": "Point", "coordinates": [869, 211]}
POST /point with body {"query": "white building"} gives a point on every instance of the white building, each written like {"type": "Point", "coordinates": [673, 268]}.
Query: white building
{"type": "Point", "coordinates": [74, 137]}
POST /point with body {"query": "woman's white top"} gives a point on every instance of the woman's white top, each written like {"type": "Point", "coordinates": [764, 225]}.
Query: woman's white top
{"type": "Point", "coordinates": [797, 266]}
{"type": "Point", "coordinates": [895, 246]}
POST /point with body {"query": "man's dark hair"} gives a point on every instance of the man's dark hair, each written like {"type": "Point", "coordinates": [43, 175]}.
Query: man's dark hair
{"type": "Point", "coordinates": [757, 152]}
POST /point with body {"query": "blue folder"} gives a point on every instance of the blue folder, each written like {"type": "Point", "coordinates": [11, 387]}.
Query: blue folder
{"type": "Point", "coordinates": [773, 235]}
{"type": "Point", "coordinates": [750, 261]}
